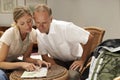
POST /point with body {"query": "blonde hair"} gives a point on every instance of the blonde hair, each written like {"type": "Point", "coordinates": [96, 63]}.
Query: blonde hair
{"type": "Point", "coordinates": [20, 11]}
{"type": "Point", "coordinates": [43, 7]}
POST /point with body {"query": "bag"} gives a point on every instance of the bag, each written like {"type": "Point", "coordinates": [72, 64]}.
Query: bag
{"type": "Point", "coordinates": [105, 65]}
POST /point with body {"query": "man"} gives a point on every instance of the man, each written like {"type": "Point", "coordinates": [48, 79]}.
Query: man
{"type": "Point", "coordinates": [62, 40]}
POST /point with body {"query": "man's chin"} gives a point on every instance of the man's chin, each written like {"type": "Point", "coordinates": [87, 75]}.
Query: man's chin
{"type": "Point", "coordinates": [41, 31]}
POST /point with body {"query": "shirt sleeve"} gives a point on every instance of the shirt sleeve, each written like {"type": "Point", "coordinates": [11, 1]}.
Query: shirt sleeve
{"type": "Point", "coordinates": [41, 46]}
{"type": "Point", "coordinates": [7, 37]}
{"type": "Point", "coordinates": [76, 34]}
{"type": "Point", "coordinates": [33, 35]}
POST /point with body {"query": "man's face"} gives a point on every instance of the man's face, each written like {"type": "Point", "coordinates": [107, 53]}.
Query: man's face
{"type": "Point", "coordinates": [42, 21]}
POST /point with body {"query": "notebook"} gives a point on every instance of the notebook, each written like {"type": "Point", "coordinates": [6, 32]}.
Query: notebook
{"type": "Point", "coordinates": [39, 72]}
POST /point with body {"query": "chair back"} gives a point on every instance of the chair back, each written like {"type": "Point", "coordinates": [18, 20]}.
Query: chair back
{"type": "Point", "coordinates": [1, 33]}
{"type": "Point", "coordinates": [97, 33]}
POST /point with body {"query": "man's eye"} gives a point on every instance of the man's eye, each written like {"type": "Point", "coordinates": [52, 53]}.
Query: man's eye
{"type": "Point", "coordinates": [37, 23]}
{"type": "Point", "coordinates": [44, 22]}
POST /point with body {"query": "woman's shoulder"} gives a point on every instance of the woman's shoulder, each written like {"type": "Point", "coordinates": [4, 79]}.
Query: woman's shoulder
{"type": "Point", "coordinates": [9, 31]}
{"type": "Point", "coordinates": [33, 35]}
{"type": "Point", "coordinates": [8, 36]}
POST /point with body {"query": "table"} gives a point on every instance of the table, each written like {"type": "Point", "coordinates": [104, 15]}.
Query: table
{"type": "Point", "coordinates": [56, 72]}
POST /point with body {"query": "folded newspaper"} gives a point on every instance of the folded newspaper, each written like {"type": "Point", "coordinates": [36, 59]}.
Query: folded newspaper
{"type": "Point", "coordinates": [40, 72]}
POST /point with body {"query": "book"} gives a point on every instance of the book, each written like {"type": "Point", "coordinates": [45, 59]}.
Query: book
{"type": "Point", "coordinates": [39, 72]}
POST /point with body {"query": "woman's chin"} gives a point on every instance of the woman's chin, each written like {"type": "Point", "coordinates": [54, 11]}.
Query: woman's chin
{"type": "Point", "coordinates": [28, 31]}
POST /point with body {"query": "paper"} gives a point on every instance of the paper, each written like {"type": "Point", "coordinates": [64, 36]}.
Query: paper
{"type": "Point", "coordinates": [40, 72]}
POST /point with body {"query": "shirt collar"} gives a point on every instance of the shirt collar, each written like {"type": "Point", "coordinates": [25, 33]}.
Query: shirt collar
{"type": "Point", "coordinates": [52, 28]}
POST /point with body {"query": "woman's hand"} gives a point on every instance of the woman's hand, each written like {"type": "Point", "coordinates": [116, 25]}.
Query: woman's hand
{"type": "Point", "coordinates": [40, 63]}
{"type": "Point", "coordinates": [28, 66]}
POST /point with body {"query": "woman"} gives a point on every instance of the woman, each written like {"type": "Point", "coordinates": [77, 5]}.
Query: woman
{"type": "Point", "coordinates": [18, 40]}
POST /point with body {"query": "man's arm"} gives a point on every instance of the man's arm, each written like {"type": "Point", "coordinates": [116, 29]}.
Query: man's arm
{"type": "Point", "coordinates": [87, 48]}
{"type": "Point", "coordinates": [48, 59]}
{"type": "Point", "coordinates": [86, 52]}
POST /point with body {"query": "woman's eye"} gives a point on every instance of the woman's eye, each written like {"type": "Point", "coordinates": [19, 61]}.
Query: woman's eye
{"type": "Point", "coordinates": [29, 21]}
{"type": "Point", "coordinates": [22, 24]}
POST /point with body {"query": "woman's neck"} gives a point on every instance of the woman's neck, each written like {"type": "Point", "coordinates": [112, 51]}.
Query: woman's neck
{"type": "Point", "coordinates": [23, 35]}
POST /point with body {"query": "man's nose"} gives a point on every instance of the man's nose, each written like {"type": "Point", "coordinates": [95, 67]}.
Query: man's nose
{"type": "Point", "coordinates": [40, 25]}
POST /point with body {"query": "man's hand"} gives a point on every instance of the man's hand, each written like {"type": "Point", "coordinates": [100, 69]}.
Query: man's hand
{"type": "Point", "coordinates": [78, 64]}
{"type": "Point", "coordinates": [40, 63]}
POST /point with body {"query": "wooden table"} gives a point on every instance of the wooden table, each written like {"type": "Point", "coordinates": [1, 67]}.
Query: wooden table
{"type": "Point", "coordinates": [56, 72]}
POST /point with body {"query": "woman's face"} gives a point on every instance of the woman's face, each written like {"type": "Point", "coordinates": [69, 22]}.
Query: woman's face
{"type": "Point", "coordinates": [25, 23]}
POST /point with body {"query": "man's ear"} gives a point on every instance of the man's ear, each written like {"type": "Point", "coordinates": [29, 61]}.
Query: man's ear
{"type": "Point", "coordinates": [51, 17]}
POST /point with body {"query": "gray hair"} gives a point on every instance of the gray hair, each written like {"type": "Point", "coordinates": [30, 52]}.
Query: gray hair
{"type": "Point", "coordinates": [43, 7]}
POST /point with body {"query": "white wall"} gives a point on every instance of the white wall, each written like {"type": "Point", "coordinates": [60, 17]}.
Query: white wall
{"type": "Point", "coordinates": [7, 19]}
{"type": "Point", "coordinates": [102, 13]}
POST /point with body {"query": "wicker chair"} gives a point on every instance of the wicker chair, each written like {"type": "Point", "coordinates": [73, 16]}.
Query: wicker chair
{"type": "Point", "coordinates": [98, 34]}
